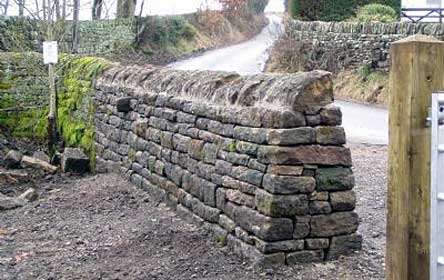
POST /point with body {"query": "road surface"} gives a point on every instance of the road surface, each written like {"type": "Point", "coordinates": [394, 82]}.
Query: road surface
{"type": "Point", "coordinates": [244, 58]}
{"type": "Point", "coordinates": [362, 123]}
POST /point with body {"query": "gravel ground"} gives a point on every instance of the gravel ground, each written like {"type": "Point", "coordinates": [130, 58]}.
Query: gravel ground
{"type": "Point", "coordinates": [101, 227]}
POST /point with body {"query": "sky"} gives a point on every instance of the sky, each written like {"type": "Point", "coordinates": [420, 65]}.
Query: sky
{"type": "Point", "coordinates": [418, 3]}
{"type": "Point", "coordinates": [151, 7]}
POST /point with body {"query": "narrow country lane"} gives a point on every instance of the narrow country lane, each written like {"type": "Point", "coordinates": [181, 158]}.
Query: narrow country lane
{"type": "Point", "coordinates": [362, 123]}
{"type": "Point", "coordinates": [244, 58]}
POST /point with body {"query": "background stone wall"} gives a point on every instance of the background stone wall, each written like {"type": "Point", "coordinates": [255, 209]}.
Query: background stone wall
{"type": "Point", "coordinates": [258, 160]}
{"type": "Point", "coordinates": [96, 37]}
{"type": "Point", "coordinates": [357, 44]}
{"type": "Point", "coordinates": [23, 84]}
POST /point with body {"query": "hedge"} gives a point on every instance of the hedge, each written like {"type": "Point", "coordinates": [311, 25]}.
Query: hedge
{"type": "Point", "coordinates": [332, 10]}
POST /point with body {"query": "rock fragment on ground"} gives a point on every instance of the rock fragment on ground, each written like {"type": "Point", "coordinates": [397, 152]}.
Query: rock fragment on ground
{"type": "Point", "coordinates": [12, 177]}
{"type": "Point", "coordinates": [41, 155]}
{"type": "Point", "coordinates": [38, 164]}
{"type": "Point", "coordinates": [75, 161]}
{"type": "Point", "coordinates": [13, 159]}
{"type": "Point", "coordinates": [29, 195]}
{"type": "Point", "coordinates": [9, 203]}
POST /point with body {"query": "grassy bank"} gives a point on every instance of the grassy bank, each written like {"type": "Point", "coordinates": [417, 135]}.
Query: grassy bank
{"type": "Point", "coordinates": [164, 39]}
{"type": "Point", "coordinates": [362, 85]}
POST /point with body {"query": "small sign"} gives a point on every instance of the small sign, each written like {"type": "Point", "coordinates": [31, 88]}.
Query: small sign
{"type": "Point", "coordinates": [50, 52]}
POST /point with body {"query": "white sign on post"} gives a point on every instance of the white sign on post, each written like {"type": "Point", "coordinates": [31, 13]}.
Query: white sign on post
{"type": "Point", "coordinates": [50, 52]}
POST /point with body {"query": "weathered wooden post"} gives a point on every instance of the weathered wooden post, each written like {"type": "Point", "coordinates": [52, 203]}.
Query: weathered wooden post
{"type": "Point", "coordinates": [417, 71]}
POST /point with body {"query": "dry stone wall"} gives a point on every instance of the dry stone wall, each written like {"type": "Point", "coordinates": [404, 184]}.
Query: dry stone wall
{"type": "Point", "coordinates": [356, 43]}
{"type": "Point", "coordinates": [258, 160]}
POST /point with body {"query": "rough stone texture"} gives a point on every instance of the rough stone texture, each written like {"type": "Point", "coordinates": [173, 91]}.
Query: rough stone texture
{"type": "Point", "coordinates": [314, 154]}
{"type": "Point", "coordinates": [281, 205]}
{"type": "Point", "coordinates": [334, 179]}
{"type": "Point", "coordinates": [305, 257]}
{"type": "Point", "coordinates": [364, 43]}
{"type": "Point", "coordinates": [345, 244]}
{"type": "Point", "coordinates": [343, 201]}
{"type": "Point", "coordinates": [9, 203]}
{"type": "Point", "coordinates": [13, 159]}
{"type": "Point", "coordinates": [74, 160]}
{"type": "Point", "coordinates": [334, 224]}
{"type": "Point", "coordinates": [237, 154]}
{"type": "Point", "coordinates": [123, 104]}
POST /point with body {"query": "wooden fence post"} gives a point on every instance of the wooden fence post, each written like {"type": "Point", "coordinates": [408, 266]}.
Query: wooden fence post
{"type": "Point", "coordinates": [417, 71]}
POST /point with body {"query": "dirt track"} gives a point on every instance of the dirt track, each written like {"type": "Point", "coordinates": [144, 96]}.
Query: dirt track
{"type": "Point", "coordinates": [101, 227]}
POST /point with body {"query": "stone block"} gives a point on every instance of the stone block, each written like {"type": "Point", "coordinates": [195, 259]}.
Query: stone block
{"type": "Point", "coordinates": [288, 137]}
{"type": "Point", "coordinates": [244, 187]}
{"type": "Point", "coordinates": [181, 143]}
{"type": "Point", "coordinates": [186, 118]}
{"type": "Point", "coordinates": [209, 152]}
{"type": "Point", "coordinates": [276, 184]}
{"type": "Point", "coordinates": [266, 228]}
{"type": "Point", "coordinates": [166, 139]}
{"type": "Point", "coordinates": [305, 257]}
{"type": "Point", "coordinates": [234, 158]}
{"type": "Point", "coordinates": [245, 174]}
{"type": "Point", "coordinates": [301, 227]}
{"type": "Point", "coordinates": [244, 236]}
{"type": "Point", "coordinates": [209, 193]}
{"type": "Point", "coordinates": [282, 119]}
{"type": "Point", "coordinates": [13, 159]}
{"type": "Point", "coordinates": [281, 205]}
{"type": "Point", "coordinates": [220, 199]}
{"type": "Point", "coordinates": [227, 223]}
{"type": "Point", "coordinates": [255, 135]}
{"type": "Point", "coordinates": [240, 198]}
{"type": "Point", "coordinates": [319, 196]}
{"type": "Point", "coordinates": [223, 167]}
{"type": "Point", "coordinates": [195, 149]}
{"type": "Point", "coordinates": [123, 104]}
{"type": "Point", "coordinates": [317, 243]}
{"type": "Point", "coordinates": [75, 161]}
{"type": "Point", "coordinates": [330, 135]}
{"type": "Point", "coordinates": [331, 115]}
{"type": "Point", "coordinates": [246, 148]}
{"type": "Point", "coordinates": [343, 201]}
{"type": "Point", "coordinates": [279, 246]}
{"type": "Point", "coordinates": [334, 179]}
{"type": "Point", "coordinates": [320, 207]}
{"type": "Point", "coordinates": [344, 245]}
{"type": "Point", "coordinates": [289, 170]}
{"type": "Point", "coordinates": [334, 224]}
{"type": "Point", "coordinates": [207, 213]}
{"type": "Point", "coordinates": [314, 154]}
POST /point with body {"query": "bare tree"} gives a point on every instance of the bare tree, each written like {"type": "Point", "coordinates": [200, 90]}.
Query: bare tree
{"type": "Point", "coordinates": [64, 9]}
{"type": "Point", "coordinates": [75, 31]}
{"type": "Point", "coordinates": [97, 9]}
{"type": "Point", "coordinates": [21, 6]}
{"type": "Point", "coordinates": [126, 8]}
{"type": "Point", "coordinates": [57, 9]}
{"type": "Point", "coordinates": [4, 5]}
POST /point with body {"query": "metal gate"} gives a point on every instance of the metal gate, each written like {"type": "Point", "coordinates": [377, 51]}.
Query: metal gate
{"type": "Point", "coordinates": [436, 121]}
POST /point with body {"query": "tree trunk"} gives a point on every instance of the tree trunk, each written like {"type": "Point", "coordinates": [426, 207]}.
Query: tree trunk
{"type": "Point", "coordinates": [97, 9]}
{"type": "Point", "coordinates": [64, 9]}
{"type": "Point", "coordinates": [75, 31]}
{"type": "Point", "coordinates": [57, 9]}
{"type": "Point", "coordinates": [4, 5]}
{"type": "Point", "coordinates": [126, 8]}
{"type": "Point", "coordinates": [21, 4]}
{"type": "Point", "coordinates": [44, 10]}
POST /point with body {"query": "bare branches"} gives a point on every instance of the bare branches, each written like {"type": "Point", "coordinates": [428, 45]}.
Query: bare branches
{"type": "Point", "coordinates": [4, 5]}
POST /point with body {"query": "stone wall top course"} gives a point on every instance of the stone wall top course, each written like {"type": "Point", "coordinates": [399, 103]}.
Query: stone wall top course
{"type": "Point", "coordinates": [286, 92]}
